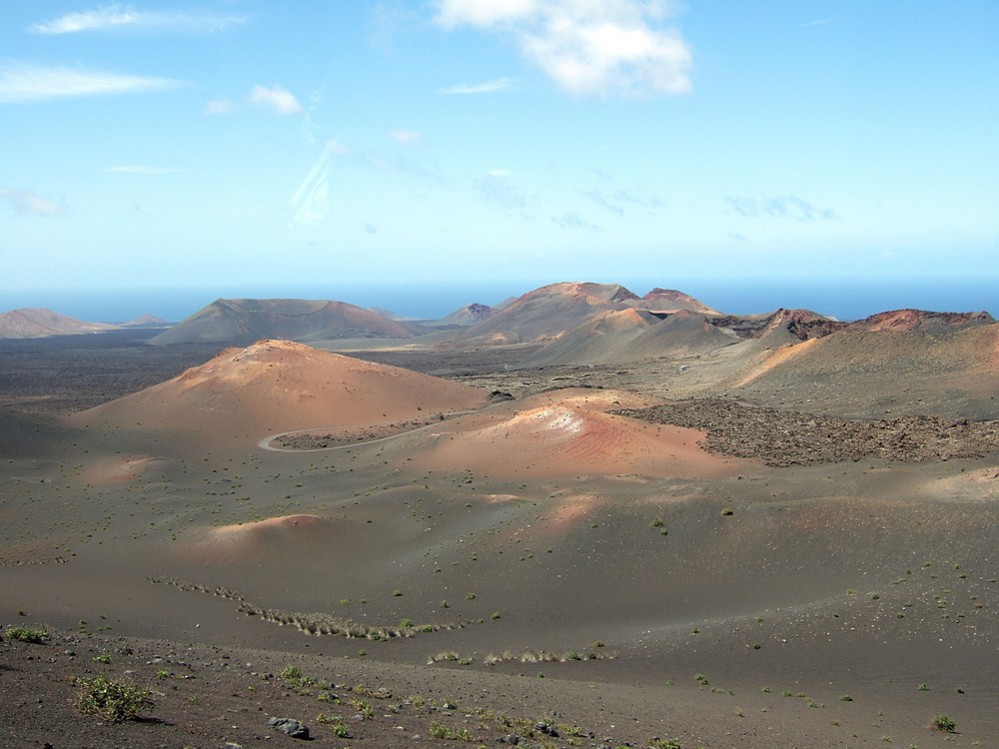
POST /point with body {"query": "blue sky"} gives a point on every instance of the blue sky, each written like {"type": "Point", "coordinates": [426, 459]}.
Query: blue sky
{"type": "Point", "coordinates": [242, 142]}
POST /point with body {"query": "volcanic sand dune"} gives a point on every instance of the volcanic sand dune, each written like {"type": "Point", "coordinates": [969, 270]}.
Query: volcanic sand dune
{"type": "Point", "coordinates": [254, 541]}
{"type": "Point", "coordinates": [117, 469]}
{"type": "Point", "coordinates": [243, 395]}
{"type": "Point", "coordinates": [568, 433]}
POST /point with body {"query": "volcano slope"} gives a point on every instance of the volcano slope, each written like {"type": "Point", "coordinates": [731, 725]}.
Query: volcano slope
{"type": "Point", "coordinates": [662, 590]}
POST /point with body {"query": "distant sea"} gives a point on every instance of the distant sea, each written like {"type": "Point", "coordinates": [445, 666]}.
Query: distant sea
{"type": "Point", "coordinates": [840, 298]}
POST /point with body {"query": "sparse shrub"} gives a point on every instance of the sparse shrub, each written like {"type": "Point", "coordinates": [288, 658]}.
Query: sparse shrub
{"type": "Point", "coordinates": [924, 687]}
{"type": "Point", "coordinates": [726, 511]}
{"type": "Point", "coordinates": [846, 698]}
{"type": "Point", "coordinates": [495, 615]}
{"type": "Point", "coordinates": [944, 723]}
{"type": "Point", "coordinates": [31, 635]}
{"type": "Point", "coordinates": [102, 658]}
{"type": "Point", "coordinates": [664, 744]}
{"type": "Point", "coordinates": [340, 727]}
{"type": "Point", "coordinates": [113, 701]}
{"type": "Point", "coordinates": [440, 730]}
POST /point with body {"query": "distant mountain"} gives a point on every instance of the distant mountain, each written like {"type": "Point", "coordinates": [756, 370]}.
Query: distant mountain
{"type": "Point", "coordinates": [781, 326]}
{"type": "Point", "coordinates": [668, 300]}
{"type": "Point", "coordinates": [467, 315]}
{"type": "Point", "coordinates": [40, 323]}
{"type": "Point", "coordinates": [243, 321]}
{"type": "Point", "coordinates": [549, 311]}
{"type": "Point", "coordinates": [633, 335]}
{"type": "Point", "coordinates": [146, 321]}
{"type": "Point", "coordinates": [910, 360]}
{"type": "Point", "coordinates": [914, 319]}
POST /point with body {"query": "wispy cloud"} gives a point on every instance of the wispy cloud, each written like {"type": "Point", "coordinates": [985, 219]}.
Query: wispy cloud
{"type": "Point", "coordinates": [498, 191]}
{"type": "Point", "coordinates": [817, 22]}
{"type": "Point", "coordinates": [139, 169]}
{"type": "Point", "coordinates": [20, 82]}
{"type": "Point", "coordinates": [116, 16]}
{"type": "Point", "coordinates": [619, 201]}
{"type": "Point", "coordinates": [587, 47]}
{"type": "Point", "coordinates": [216, 107]}
{"type": "Point", "coordinates": [785, 206]}
{"type": "Point", "coordinates": [27, 203]}
{"type": "Point", "coordinates": [404, 136]}
{"type": "Point", "coordinates": [277, 98]}
{"type": "Point", "coordinates": [488, 87]}
{"type": "Point", "coordinates": [572, 220]}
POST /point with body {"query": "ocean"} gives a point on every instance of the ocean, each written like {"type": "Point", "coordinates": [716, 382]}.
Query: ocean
{"type": "Point", "coordinates": [840, 298]}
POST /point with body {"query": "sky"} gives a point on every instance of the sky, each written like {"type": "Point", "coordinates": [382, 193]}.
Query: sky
{"type": "Point", "coordinates": [238, 144]}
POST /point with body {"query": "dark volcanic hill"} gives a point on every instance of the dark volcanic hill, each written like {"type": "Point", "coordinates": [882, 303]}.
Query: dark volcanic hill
{"type": "Point", "coordinates": [39, 323]}
{"type": "Point", "coordinates": [468, 315]}
{"type": "Point", "coordinates": [243, 321]}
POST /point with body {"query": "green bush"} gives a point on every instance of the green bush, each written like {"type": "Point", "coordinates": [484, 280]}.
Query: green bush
{"type": "Point", "coordinates": [113, 701]}
{"type": "Point", "coordinates": [33, 635]}
{"type": "Point", "coordinates": [944, 723]}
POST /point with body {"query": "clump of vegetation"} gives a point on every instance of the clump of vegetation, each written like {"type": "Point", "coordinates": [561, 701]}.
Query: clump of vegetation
{"type": "Point", "coordinates": [440, 730]}
{"type": "Point", "coordinates": [110, 700]}
{"type": "Point", "coordinates": [31, 635]}
{"type": "Point", "coordinates": [944, 723]}
{"type": "Point", "coordinates": [341, 729]}
{"type": "Point", "coordinates": [664, 744]}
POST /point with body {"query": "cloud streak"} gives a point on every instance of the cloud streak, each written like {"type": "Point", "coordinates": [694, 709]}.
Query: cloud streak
{"type": "Point", "coordinates": [277, 98]}
{"type": "Point", "coordinates": [20, 82]}
{"type": "Point", "coordinates": [487, 87]}
{"type": "Point", "coordinates": [405, 136]}
{"type": "Point", "coordinates": [780, 207]}
{"type": "Point", "coordinates": [116, 16]}
{"type": "Point", "coordinates": [587, 47]}
{"type": "Point", "coordinates": [139, 169]}
{"type": "Point", "coordinates": [27, 203]}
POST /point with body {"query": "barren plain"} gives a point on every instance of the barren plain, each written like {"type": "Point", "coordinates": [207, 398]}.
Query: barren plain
{"type": "Point", "coordinates": [769, 540]}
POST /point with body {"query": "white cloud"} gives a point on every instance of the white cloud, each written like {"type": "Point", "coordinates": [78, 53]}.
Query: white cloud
{"type": "Point", "coordinates": [277, 98]}
{"type": "Point", "coordinates": [29, 204]}
{"type": "Point", "coordinates": [404, 136]}
{"type": "Point", "coordinates": [488, 87]}
{"type": "Point", "coordinates": [117, 16]}
{"type": "Point", "coordinates": [217, 107]}
{"type": "Point", "coordinates": [587, 46]}
{"type": "Point", "coordinates": [21, 82]}
{"type": "Point", "coordinates": [139, 169]}
{"type": "Point", "coordinates": [484, 12]}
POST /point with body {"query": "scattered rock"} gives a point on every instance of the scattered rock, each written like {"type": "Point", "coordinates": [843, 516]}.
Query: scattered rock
{"type": "Point", "coordinates": [289, 726]}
